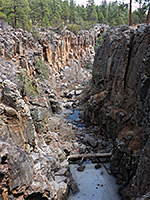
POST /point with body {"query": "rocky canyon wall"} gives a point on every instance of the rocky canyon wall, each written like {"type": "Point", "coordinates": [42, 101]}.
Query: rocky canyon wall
{"type": "Point", "coordinates": [58, 50]}
{"type": "Point", "coordinates": [31, 152]}
{"type": "Point", "coordinates": [118, 103]}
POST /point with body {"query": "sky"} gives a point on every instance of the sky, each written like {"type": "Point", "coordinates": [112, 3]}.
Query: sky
{"type": "Point", "coordinates": [98, 2]}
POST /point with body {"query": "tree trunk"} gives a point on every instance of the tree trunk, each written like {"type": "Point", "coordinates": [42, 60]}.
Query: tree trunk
{"type": "Point", "coordinates": [130, 13]}
{"type": "Point", "coordinates": [15, 24]}
{"type": "Point", "coordinates": [148, 16]}
{"type": "Point", "coordinates": [15, 15]}
{"type": "Point", "coordinates": [2, 24]}
{"type": "Point", "coordinates": [140, 16]}
{"type": "Point", "coordinates": [90, 155]}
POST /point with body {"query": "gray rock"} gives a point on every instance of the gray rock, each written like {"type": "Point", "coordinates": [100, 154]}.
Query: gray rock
{"type": "Point", "coordinates": [91, 141]}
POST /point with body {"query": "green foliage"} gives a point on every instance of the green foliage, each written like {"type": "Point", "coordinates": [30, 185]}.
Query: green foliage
{"type": "Point", "coordinates": [2, 16]}
{"type": "Point", "coordinates": [89, 65]}
{"type": "Point", "coordinates": [36, 34]}
{"type": "Point", "coordinates": [73, 28]}
{"type": "Point", "coordinates": [26, 85]}
{"type": "Point", "coordinates": [98, 42]}
{"type": "Point", "coordinates": [73, 12]}
{"type": "Point", "coordinates": [139, 15]}
{"type": "Point", "coordinates": [42, 70]}
{"type": "Point", "coordinates": [17, 12]}
{"type": "Point", "coordinates": [95, 73]}
{"type": "Point", "coordinates": [57, 13]}
{"type": "Point", "coordinates": [91, 12]}
{"type": "Point", "coordinates": [39, 12]}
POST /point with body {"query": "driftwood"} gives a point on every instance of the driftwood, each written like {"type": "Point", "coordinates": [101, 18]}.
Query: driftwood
{"type": "Point", "coordinates": [109, 172]}
{"type": "Point", "coordinates": [90, 155]}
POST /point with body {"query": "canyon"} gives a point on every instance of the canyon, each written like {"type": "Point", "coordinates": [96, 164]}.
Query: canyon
{"type": "Point", "coordinates": [44, 76]}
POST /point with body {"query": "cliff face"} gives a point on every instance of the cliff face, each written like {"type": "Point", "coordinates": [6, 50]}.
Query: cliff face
{"type": "Point", "coordinates": [58, 50]}
{"type": "Point", "coordinates": [31, 152]}
{"type": "Point", "coordinates": [118, 103]}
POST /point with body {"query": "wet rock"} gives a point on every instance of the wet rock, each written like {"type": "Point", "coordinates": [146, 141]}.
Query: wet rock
{"type": "Point", "coordinates": [97, 166]}
{"type": "Point", "coordinates": [81, 168]}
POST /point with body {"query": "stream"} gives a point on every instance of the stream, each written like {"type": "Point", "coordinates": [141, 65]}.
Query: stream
{"type": "Point", "coordinates": [94, 183]}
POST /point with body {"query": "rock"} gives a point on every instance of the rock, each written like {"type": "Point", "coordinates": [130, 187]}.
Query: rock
{"type": "Point", "coordinates": [81, 168]}
{"type": "Point", "coordinates": [78, 92]}
{"type": "Point", "coordinates": [64, 164]}
{"type": "Point", "coordinates": [91, 141]}
{"type": "Point", "coordinates": [61, 172]}
{"type": "Point", "coordinates": [97, 166]}
{"type": "Point", "coordinates": [1, 109]}
{"type": "Point", "coordinates": [82, 149]}
{"type": "Point", "coordinates": [60, 179]}
{"type": "Point", "coordinates": [18, 162]}
{"type": "Point", "coordinates": [10, 112]}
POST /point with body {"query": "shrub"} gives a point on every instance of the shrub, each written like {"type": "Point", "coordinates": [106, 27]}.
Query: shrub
{"type": "Point", "coordinates": [99, 41]}
{"type": "Point", "coordinates": [26, 85]}
{"type": "Point", "coordinates": [89, 65]}
{"type": "Point", "coordinates": [36, 34]}
{"type": "Point", "coordinates": [73, 28]}
{"type": "Point", "coordinates": [42, 70]}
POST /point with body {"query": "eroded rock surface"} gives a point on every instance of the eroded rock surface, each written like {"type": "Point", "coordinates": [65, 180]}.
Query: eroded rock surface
{"type": "Point", "coordinates": [117, 102]}
{"type": "Point", "coordinates": [34, 142]}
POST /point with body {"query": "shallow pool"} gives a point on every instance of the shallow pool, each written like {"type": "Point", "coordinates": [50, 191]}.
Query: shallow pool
{"type": "Point", "coordinates": [94, 184]}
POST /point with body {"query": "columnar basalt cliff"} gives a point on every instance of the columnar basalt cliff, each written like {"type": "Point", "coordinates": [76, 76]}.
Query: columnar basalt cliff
{"type": "Point", "coordinates": [33, 162]}
{"type": "Point", "coordinates": [59, 50]}
{"type": "Point", "coordinates": [118, 103]}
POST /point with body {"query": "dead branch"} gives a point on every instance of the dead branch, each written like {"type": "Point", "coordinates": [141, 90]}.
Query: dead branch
{"type": "Point", "coordinates": [90, 155]}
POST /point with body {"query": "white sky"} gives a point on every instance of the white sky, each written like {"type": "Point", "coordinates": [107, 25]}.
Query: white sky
{"type": "Point", "coordinates": [98, 2]}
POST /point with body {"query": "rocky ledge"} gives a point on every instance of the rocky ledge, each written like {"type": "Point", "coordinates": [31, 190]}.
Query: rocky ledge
{"type": "Point", "coordinates": [117, 101]}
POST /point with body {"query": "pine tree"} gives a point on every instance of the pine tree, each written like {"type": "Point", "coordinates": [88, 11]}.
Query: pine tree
{"type": "Point", "coordinates": [39, 12]}
{"type": "Point", "coordinates": [100, 15]}
{"type": "Point", "coordinates": [65, 11]}
{"type": "Point", "coordinates": [2, 15]}
{"type": "Point", "coordinates": [91, 11]}
{"type": "Point", "coordinates": [57, 10]}
{"type": "Point", "coordinates": [17, 12]}
{"type": "Point", "coordinates": [83, 12]}
{"type": "Point", "coordinates": [73, 12]}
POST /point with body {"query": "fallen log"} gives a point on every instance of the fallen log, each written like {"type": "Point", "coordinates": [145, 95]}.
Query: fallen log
{"type": "Point", "coordinates": [109, 172]}
{"type": "Point", "coordinates": [90, 155]}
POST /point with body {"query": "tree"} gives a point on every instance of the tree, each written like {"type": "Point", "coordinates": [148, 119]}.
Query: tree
{"type": "Point", "coordinates": [130, 13]}
{"type": "Point", "coordinates": [104, 10]}
{"type": "Point", "coordinates": [91, 12]}
{"type": "Point", "coordinates": [17, 12]}
{"type": "Point", "coordinates": [148, 16]}
{"type": "Point", "coordinates": [65, 11]}
{"type": "Point", "coordinates": [39, 12]}
{"type": "Point", "coordinates": [100, 15]}
{"type": "Point", "coordinates": [2, 15]}
{"type": "Point", "coordinates": [73, 12]}
{"type": "Point", "coordinates": [147, 3]}
{"type": "Point", "coordinates": [82, 12]}
{"type": "Point", "coordinates": [57, 11]}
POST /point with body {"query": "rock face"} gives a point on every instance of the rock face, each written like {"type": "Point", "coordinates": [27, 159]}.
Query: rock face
{"type": "Point", "coordinates": [27, 164]}
{"type": "Point", "coordinates": [33, 162]}
{"type": "Point", "coordinates": [118, 102]}
{"type": "Point", "coordinates": [59, 50]}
